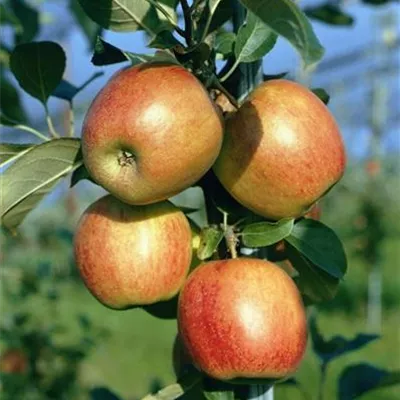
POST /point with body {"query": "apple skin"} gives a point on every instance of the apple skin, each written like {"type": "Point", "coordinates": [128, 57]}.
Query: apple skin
{"type": "Point", "coordinates": [282, 151]}
{"type": "Point", "coordinates": [168, 309]}
{"type": "Point", "coordinates": [150, 133]}
{"type": "Point", "coordinates": [242, 320]}
{"type": "Point", "coordinates": [132, 255]}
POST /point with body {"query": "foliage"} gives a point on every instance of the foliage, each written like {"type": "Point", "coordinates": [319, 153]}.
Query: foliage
{"type": "Point", "coordinates": [34, 362]}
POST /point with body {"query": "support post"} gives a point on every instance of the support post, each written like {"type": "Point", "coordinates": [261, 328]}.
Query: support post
{"type": "Point", "coordinates": [250, 75]}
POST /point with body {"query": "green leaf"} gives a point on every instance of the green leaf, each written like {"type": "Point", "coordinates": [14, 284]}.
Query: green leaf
{"type": "Point", "coordinates": [322, 94]}
{"type": "Point", "coordinates": [330, 14]}
{"type": "Point", "coordinates": [79, 174]}
{"type": "Point", "coordinates": [327, 350]}
{"type": "Point", "coordinates": [210, 238]}
{"type": "Point", "coordinates": [105, 53]}
{"type": "Point", "coordinates": [29, 18]}
{"type": "Point", "coordinates": [320, 245]}
{"type": "Point", "coordinates": [274, 76]}
{"type": "Point", "coordinates": [358, 379]}
{"type": "Point", "coordinates": [12, 111]}
{"type": "Point", "coordinates": [7, 17]}
{"type": "Point", "coordinates": [219, 395]}
{"type": "Point", "coordinates": [224, 42]}
{"type": "Point", "coordinates": [263, 234]}
{"type": "Point", "coordinates": [89, 28]}
{"type": "Point", "coordinates": [164, 40]}
{"type": "Point", "coordinates": [254, 40]}
{"type": "Point", "coordinates": [313, 283]}
{"type": "Point", "coordinates": [65, 90]}
{"type": "Point", "coordinates": [124, 15]}
{"type": "Point", "coordinates": [10, 152]}
{"type": "Point", "coordinates": [176, 390]}
{"type": "Point", "coordinates": [285, 18]}
{"type": "Point", "coordinates": [38, 67]}
{"type": "Point", "coordinates": [102, 393]}
{"type": "Point", "coordinates": [34, 175]}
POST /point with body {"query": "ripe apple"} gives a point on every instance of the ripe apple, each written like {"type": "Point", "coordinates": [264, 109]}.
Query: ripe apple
{"type": "Point", "coordinates": [132, 255]}
{"type": "Point", "coordinates": [13, 361]}
{"type": "Point", "coordinates": [168, 309]}
{"type": "Point", "coordinates": [150, 133]}
{"type": "Point", "coordinates": [242, 319]}
{"type": "Point", "coordinates": [282, 151]}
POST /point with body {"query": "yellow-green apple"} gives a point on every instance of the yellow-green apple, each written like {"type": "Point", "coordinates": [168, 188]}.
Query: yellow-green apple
{"type": "Point", "coordinates": [168, 309]}
{"type": "Point", "coordinates": [242, 319]}
{"type": "Point", "coordinates": [282, 151]}
{"type": "Point", "coordinates": [132, 255]}
{"type": "Point", "coordinates": [150, 133]}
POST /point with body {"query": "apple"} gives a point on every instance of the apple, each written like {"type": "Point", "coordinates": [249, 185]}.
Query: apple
{"type": "Point", "coordinates": [150, 133]}
{"type": "Point", "coordinates": [168, 309]}
{"type": "Point", "coordinates": [242, 320]}
{"type": "Point", "coordinates": [282, 151]}
{"type": "Point", "coordinates": [13, 361]}
{"type": "Point", "coordinates": [132, 255]}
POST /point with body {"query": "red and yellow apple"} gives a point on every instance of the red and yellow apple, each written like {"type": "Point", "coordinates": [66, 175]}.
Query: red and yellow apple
{"type": "Point", "coordinates": [133, 255]}
{"type": "Point", "coordinates": [150, 133]}
{"type": "Point", "coordinates": [282, 151]}
{"type": "Point", "coordinates": [242, 319]}
{"type": "Point", "coordinates": [168, 309]}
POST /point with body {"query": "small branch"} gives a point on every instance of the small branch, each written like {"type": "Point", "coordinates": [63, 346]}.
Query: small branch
{"type": "Point", "coordinates": [206, 28]}
{"type": "Point", "coordinates": [52, 130]}
{"type": "Point", "coordinates": [90, 80]}
{"type": "Point", "coordinates": [217, 85]}
{"type": "Point", "coordinates": [188, 21]}
{"type": "Point", "coordinates": [71, 118]}
{"type": "Point", "coordinates": [230, 72]}
{"type": "Point", "coordinates": [30, 130]}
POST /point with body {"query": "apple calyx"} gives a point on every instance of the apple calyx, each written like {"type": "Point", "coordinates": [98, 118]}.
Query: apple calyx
{"type": "Point", "coordinates": [126, 158]}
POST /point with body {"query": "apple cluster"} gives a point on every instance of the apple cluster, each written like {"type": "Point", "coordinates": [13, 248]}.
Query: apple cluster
{"type": "Point", "coordinates": [154, 131]}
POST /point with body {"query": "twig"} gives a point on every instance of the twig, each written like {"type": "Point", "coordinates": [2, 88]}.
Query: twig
{"type": "Point", "coordinates": [230, 72]}
{"type": "Point", "coordinates": [90, 80]}
{"type": "Point", "coordinates": [71, 118]}
{"type": "Point", "coordinates": [188, 22]}
{"type": "Point", "coordinates": [52, 130]}
{"type": "Point", "coordinates": [30, 130]}
{"type": "Point", "coordinates": [217, 85]}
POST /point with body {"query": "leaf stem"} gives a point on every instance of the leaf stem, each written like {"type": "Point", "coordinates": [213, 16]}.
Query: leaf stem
{"type": "Point", "coordinates": [30, 130]}
{"type": "Point", "coordinates": [206, 28]}
{"type": "Point", "coordinates": [71, 119]}
{"type": "Point", "coordinates": [231, 71]}
{"type": "Point", "coordinates": [90, 80]}
{"type": "Point", "coordinates": [52, 130]}
{"type": "Point", "coordinates": [166, 15]}
{"type": "Point", "coordinates": [188, 22]}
